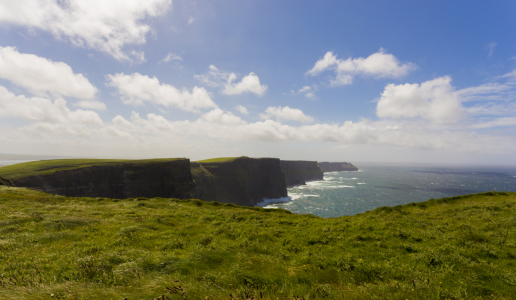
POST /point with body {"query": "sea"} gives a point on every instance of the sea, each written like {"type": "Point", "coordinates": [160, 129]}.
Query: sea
{"type": "Point", "coordinates": [377, 185]}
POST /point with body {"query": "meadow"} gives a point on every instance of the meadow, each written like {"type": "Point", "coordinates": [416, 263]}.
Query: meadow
{"type": "Point", "coordinates": [56, 247]}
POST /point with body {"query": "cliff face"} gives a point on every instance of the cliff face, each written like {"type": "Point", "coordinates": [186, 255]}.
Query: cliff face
{"type": "Point", "coordinates": [298, 172]}
{"type": "Point", "coordinates": [6, 182]}
{"type": "Point", "coordinates": [243, 181]}
{"type": "Point", "coordinates": [171, 179]}
{"type": "Point", "coordinates": [337, 166]}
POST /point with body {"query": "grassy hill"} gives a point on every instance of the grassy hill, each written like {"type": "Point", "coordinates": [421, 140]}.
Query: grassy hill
{"type": "Point", "coordinates": [54, 247]}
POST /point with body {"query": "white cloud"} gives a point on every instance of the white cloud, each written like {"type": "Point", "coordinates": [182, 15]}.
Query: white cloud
{"type": "Point", "coordinates": [248, 84]}
{"type": "Point", "coordinates": [190, 21]}
{"type": "Point", "coordinates": [305, 89]}
{"type": "Point", "coordinates": [220, 125]}
{"type": "Point", "coordinates": [106, 26]}
{"type": "Point", "coordinates": [42, 76]}
{"type": "Point", "coordinates": [171, 56]}
{"type": "Point", "coordinates": [308, 91]}
{"type": "Point", "coordinates": [242, 109]}
{"type": "Point", "coordinates": [136, 89]}
{"type": "Point", "coordinates": [91, 104]}
{"type": "Point", "coordinates": [378, 65]}
{"type": "Point", "coordinates": [121, 123]}
{"type": "Point", "coordinates": [286, 113]}
{"type": "Point", "coordinates": [506, 121]}
{"type": "Point", "coordinates": [434, 100]}
{"type": "Point", "coordinates": [491, 47]}
{"type": "Point", "coordinates": [138, 56]}
{"type": "Point", "coordinates": [43, 110]}
{"type": "Point", "coordinates": [217, 115]}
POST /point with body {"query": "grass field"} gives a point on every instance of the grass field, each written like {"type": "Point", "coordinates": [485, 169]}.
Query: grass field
{"type": "Point", "coordinates": [218, 159]}
{"type": "Point", "coordinates": [43, 167]}
{"type": "Point", "coordinates": [54, 247]}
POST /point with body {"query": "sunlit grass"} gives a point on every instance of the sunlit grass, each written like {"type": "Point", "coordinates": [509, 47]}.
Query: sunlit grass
{"type": "Point", "coordinates": [54, 247]}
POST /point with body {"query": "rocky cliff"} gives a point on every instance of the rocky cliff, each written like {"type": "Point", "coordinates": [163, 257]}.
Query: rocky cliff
{"type": "Point", "coordinates": [299, 172]}
{"type": "Point", "coordinates": [337, 166]}
{"type": "Point", "coordinates": [127, 179]}
{"type": "Point", "coordinates": [243, 180]}
{"type": "Point", "coordinates": [6, 182]}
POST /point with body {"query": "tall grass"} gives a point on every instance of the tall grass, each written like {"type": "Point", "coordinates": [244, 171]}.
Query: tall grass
{"type": "Point", "coordinates": [54, 247]}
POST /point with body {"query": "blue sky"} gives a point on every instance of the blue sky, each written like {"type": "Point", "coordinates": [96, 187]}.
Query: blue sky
{"type": "Point", "coordinates": [378, 81]}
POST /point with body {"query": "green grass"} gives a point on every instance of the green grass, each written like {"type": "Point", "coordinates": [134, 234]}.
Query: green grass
{"type": "Point", "coordinates": [219, 159]}
{"type": "Point", "coordinates": [54, 247]}
{"type": "Point", "coordinates": [43, 167]}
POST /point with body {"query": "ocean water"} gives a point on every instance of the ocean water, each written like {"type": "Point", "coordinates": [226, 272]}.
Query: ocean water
{"type": "Point", "coordinates": [373, 186]}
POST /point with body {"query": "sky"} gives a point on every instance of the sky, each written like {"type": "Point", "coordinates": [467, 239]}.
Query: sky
{"type": "Point", "coordinates": [425, 81]}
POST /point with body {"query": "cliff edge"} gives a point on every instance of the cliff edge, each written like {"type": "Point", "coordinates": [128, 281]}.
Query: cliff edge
{"type": "Point", "coordinates": [242, 180]}
{"type": "Point", "coordinates": [170, 178]}
{"type": "Point", "coordinates": [298, 172]}
{"type": "Point", "coordinates": [337, 166]}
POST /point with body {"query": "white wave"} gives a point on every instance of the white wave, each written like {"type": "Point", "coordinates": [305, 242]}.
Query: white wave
{"type": "Point", "coordinates": [266, 201]}
{"type": "Point", "coordinates": [295, 196]}
{"type": "Point", "coordinates": [361, 183]}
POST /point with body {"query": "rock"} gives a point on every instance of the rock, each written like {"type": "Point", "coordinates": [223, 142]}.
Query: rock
{"type": "Point", "coordinates": [243, 181]}
{"type": "Point", "coordinates": [298, 172]}
{"type": "Point", "coordinates": [337, 166]}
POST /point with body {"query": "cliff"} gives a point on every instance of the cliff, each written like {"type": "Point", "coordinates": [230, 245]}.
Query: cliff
{"type": "Point", "coordinates": [337, 166]}
{"type": "Point", "coordinates": [243, 180]}
{"type": "Point", "coordinates": [120, 179]}
{"type": "Point", "coordinates": [6, 182]}
{"type": "Point", "coordinates": [298, 172]}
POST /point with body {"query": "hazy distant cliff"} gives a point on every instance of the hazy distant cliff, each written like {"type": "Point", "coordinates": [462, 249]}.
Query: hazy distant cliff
{"type": "Point", "coordinates": [160, 178]}
{"type": "Point", "coordinates": [298, 172]}
{"type": "Point", "coordinates": [337, 166]}
{"type": "Point", "coordinates": [242, 180]}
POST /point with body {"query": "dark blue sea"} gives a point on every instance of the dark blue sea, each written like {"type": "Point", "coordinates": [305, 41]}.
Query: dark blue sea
{"type": "Point", "coordinates": [373, 186]}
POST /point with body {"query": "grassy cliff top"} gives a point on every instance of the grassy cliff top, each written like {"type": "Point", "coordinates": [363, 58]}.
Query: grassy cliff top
{"type": "Point", "coordinates": [218, 159]}
{"type": "Point", "coordinates": [43, 167]}
{"type": "Point", "coordinates": [77, 248]}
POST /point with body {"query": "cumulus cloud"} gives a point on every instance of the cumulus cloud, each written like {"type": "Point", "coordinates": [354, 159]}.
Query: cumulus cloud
{"type": "Point", "coordinates": [121, 123]}
{"type": "Point", "coordinates": [434, 100]}
{"type": "Point", "coordinates": [135, 89]}
{"type": "Point", "coordinates": [171, 56]}
{"type": "Point", "coordinates": [242, 109]}
{"type": "Point", "coordinates": [248, 84]}
{"type": "Point", "coordinates": [91, 104]}
{"type": "Point", "coordinates": [378, 65]}
{"type": "Point", "coordinates": [220, 125]}
{"type": "Point", "coordinates": [286, 113]}
{"type": "Point", "coordinates": [217, 115]}
{"type": "Point", "coordinates": [44, 110]}
{"type": "Point", "coordinates": [106, 26]}
{"type": "Point", "coordinates": [42, 76]}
